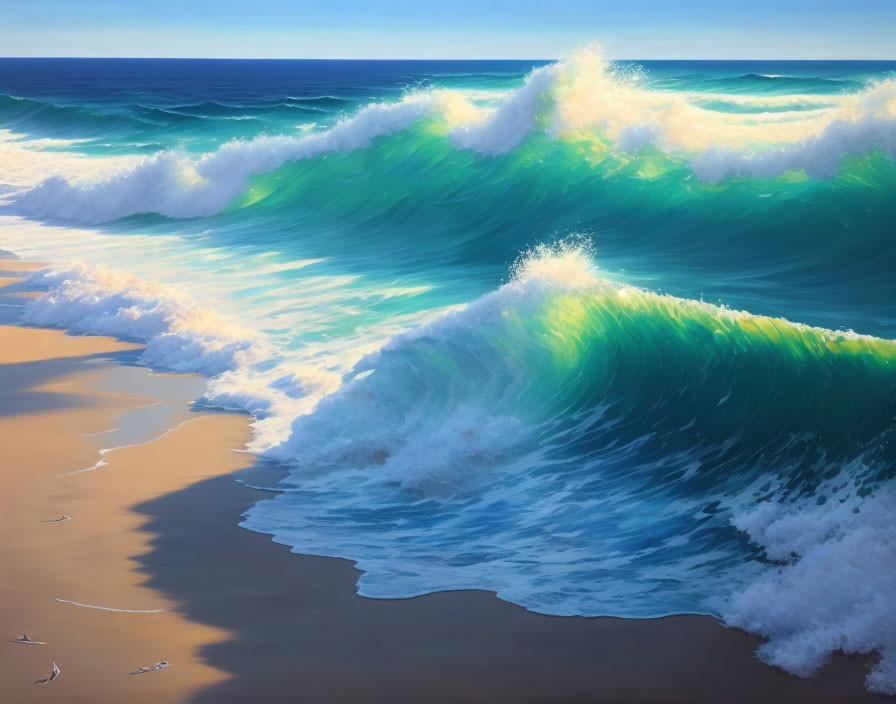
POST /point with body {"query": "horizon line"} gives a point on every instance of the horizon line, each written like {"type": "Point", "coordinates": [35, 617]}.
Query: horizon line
{"type": "Point", "coordinates": [317, 58]}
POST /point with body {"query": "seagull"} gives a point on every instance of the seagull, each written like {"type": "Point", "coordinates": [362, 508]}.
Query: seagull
{"type": "Point", "coordinates": [59, 520]}
{"type": "Point", "coordinates": [158, 666]}
{"type": "Point", "coordinates": [25, 639]}
{"type": "Point", "coordinates": [53, 675]}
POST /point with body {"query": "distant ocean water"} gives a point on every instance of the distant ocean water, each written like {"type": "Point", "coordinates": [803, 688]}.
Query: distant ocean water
{"type": "Point", "coordinates": [607, 339]}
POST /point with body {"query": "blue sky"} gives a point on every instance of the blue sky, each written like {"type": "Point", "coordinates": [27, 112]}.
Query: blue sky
{"type": "Point", "coordinates": [640, 29]}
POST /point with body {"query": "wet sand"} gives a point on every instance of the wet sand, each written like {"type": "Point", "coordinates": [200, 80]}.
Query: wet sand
{"type": "Point", "coordinates": [241, 619]}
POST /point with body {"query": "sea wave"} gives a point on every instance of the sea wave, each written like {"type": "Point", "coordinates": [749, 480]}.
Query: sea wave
{"type": "Point", "coordinates": [782, 82]}
{"type": "Point", "coordinates": [40, 116]}
{"type": "Point", "coordinates": [580, 99]}
{"type": "Point", "coordinates": [581, 447]}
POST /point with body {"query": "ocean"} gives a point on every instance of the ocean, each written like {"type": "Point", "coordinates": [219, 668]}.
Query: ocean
{"type": "Point", "coordinates": [603, 338]}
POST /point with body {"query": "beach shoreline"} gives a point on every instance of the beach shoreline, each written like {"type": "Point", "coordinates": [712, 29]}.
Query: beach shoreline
{"type": "Point", "coordinates": [62, 399]}
{"type": "Point", "coordinates": [154, 533]}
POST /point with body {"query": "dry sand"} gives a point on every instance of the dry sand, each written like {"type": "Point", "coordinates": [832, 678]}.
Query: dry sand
{"type": "Point", "coordinates": [241, 619]}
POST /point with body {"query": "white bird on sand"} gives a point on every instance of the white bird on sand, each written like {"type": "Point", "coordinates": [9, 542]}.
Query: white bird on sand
{"type": "Point", "coordinates": [59, 520]}
{"type": "Point", "coordinates": [25, 639]}
{"type": "Point", "coordinates": [158, 666]}
{"type": "Point", "coordinates": [53, 675]}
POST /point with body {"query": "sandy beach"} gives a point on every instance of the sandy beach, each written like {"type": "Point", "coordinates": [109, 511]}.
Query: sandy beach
{"type": "Point", "coordinates": [153, 534]}
{"type": "Point", "coordinates": [57, 393]}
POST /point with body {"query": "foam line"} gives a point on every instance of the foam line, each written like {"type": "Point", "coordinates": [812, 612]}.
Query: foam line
{"type": "Point", "coordinates": [107, 608]}
{"type": "Point", "coordinates": [103, 452]}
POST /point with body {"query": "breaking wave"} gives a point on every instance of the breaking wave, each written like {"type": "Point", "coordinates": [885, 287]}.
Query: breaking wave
{"type": "Point", "coordinates": [580, 99]}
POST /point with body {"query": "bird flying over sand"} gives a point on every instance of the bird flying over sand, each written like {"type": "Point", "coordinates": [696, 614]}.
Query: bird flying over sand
{"type": "Point", "coordinates": [59, 520]}
{"type": "Point", "coordinates": [158, 666]}
{"type": "Point", "coordinates": [53, 675]}
{"type": "Point", "coordinates": [25, 639]}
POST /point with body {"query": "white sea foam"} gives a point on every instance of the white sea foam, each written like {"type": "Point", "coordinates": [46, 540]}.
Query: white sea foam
{"type": "Point", "coordinates": [26, 164]}
{"type": "Point", "coordinates": [836, 591]}
{"type": "Point", "coordinates": [179, 334]}
{"type": "Point", "coordinates": [819, 156]}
